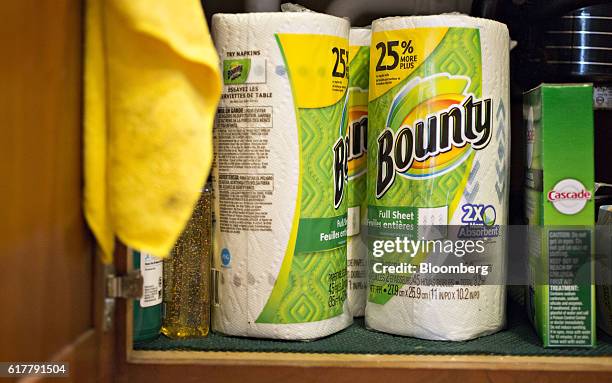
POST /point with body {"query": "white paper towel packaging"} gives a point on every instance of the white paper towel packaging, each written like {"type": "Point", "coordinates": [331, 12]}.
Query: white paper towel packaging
{"type": "Point", "coordinates": [438, 150]}
{"type": "Point", "coordinates": [357, 250]}
{"type": "Point", "coordinates": [280, 175]}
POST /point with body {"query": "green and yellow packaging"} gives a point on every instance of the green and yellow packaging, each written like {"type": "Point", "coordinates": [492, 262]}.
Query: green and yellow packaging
{"type": "Point", "coordinates": [438, 150]}
{"type": "Point", "coordinates": [560, 212]}
{"type": "Point", "coordinates": [280, 175]}
{"type": "Point", "coordinates": [357, 250]}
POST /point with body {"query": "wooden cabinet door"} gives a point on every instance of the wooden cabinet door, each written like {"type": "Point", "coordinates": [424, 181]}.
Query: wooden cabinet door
{"type": "Point", "coordinates": [49, 279]}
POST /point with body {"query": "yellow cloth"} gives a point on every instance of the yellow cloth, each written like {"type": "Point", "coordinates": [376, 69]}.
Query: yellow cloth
{"type": "Point", "coordinates": [152, 84]}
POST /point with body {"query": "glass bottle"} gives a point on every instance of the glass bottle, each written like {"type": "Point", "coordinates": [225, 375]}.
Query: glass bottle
{"type": "Point", "coordinates": [187, 276]}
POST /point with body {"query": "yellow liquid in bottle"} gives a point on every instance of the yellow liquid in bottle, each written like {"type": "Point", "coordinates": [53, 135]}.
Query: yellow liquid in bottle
{"type": "Point", "coordinates": [187, 276]}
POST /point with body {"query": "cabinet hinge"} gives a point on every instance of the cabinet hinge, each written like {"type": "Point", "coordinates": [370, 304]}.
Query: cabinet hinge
{"type": "Point", "coordinates": [127, 286]}
{"type": "Point", "coordinates": [124, 286]}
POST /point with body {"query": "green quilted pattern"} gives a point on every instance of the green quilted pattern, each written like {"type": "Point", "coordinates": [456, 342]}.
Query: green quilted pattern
{"type": "Point", "coordinates": [359, 69]}
{"type": "Point", "coordinates": [357, 188]}
{"type": "Point", "coordinates": [306, 295]}
{"type": "Point", "coordinates": [306, 298]}
{"type": "Point", "coordinates": [432, 192]}
{"type": "Point", "coordinates": [319, 130]}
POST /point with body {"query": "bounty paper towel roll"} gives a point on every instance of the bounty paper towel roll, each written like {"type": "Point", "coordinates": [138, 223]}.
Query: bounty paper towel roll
{"type": "Point", "coordinates": [280, 175]}
{"type": "Point", "coordinates": [357, 250]}
{"type": "Point", "coordinates": [438, 154]}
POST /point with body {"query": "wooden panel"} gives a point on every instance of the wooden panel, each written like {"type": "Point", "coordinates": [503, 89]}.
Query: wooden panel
{"type": "Point", "coordinates": [46, 278]}
{"type": "Point", "coordinates": [273, 367]}
{"type": "Point", "coordinates": [456, 362]}
{"type": "Point", "coordinates": [354, 374]}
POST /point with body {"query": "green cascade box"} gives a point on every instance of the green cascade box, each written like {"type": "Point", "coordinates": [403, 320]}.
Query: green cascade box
{"type": "Point", "coordinates": [559, 208]}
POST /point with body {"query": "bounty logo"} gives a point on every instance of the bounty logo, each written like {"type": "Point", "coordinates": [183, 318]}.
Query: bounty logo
{"type": "Point", "coordinates": [569, 196]}
{"type": "Point", "coordinates": [340, 151]}
{"type": "Point", "coordinates": [356, 138]}
{"type": "Point", "coordinates": [236, 71]}
{"type": "Point", "coordinates": [433, 125]}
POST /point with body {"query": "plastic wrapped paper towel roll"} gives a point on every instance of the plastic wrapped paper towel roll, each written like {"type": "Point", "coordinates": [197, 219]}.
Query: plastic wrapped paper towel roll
{"type": "Point", "coordinates": [280, 175]}
{"type": "Point", "coordinates": [438, 155]}
{"type": "Point", "coordinates": [357, 250]}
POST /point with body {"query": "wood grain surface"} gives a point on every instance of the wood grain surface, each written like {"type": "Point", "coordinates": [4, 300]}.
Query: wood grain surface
{"type": "Point", "coordinates": [46, 252]}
